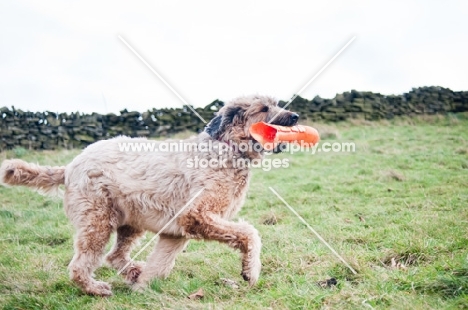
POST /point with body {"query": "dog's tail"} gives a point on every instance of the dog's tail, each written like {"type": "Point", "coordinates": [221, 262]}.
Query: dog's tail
{"type": "Point", "coordinates": [45, 180]}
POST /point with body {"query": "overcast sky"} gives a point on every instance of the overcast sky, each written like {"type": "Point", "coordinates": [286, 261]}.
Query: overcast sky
{"type": "Point", "coordinates": [66, 55]}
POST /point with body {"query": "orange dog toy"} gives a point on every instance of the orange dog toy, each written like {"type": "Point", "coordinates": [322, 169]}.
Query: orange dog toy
{"type": "Point", "coordinates": [270, 135]}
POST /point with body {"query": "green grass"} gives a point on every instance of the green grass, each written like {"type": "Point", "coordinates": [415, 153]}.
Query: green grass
{"type": "Point", "coordinates": [396, 210]}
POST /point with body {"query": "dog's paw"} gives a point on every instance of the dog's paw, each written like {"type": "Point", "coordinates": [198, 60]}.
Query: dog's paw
{"type": "Point", "coordinates": [133, 271]}
{"type": "Point", "coordinates": [251, 264]}
{"type": "Point", "coordinates": [99, 288]}
{"type": "Point", "coordinates": [251, 272]}
{"type": "Point", "coordinates": [252, 279]}
{"type": "Point", "coordinates": [245, 276]}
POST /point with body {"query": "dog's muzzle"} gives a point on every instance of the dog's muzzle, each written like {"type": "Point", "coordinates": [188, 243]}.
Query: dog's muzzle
{"type": "Point", "coordinates": [286, 119]}
{"type": "Point", "coordinates": [294, 118]}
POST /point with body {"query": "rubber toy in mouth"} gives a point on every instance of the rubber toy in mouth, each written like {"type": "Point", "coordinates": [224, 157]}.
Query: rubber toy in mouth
{"type": "Point", "coordinates": [269, 135]}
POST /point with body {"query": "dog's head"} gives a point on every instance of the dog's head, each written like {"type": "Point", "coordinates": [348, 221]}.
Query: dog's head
{"type": "Point", "coordinates": [233, 120]}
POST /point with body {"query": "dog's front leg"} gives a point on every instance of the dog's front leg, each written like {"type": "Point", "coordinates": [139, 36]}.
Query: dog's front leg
{"type": "Point", "coordinates": [241, 236]}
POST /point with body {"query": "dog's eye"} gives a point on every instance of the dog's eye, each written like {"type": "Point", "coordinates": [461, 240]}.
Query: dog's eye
{"type": "Point", "coordinates": [265, 109]}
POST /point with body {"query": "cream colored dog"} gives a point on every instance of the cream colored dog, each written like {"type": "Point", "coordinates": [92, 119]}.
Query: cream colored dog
{"type": "Point", "coordinates": [108, 190]}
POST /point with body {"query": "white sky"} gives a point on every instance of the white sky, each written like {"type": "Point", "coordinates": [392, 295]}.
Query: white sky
{"type": "Point", "coordinates": [66, 56]}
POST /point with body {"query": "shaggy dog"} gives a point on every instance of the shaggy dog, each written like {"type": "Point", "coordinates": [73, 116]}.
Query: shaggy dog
{"type": "Point", "coordinates": [108, 190]}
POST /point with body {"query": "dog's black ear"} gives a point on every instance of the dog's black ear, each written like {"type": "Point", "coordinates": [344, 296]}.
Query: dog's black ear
{"type": "Point", "coordinates": [214, 127]}
{"type": "Point", "coordinates": [229, 115]}
{"type": "Point", "coordinates": [219, 123]}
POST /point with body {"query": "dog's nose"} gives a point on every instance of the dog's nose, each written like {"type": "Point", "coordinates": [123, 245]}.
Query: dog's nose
{"type": "Point", "coordinates": [294, 118]}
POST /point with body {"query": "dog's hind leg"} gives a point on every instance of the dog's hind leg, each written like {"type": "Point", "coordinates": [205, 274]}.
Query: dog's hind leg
{"type": "Point", "coordinates": [95, 223]}
{"type": "Point", "coordinates": [161, 260]}
{"type": "Point", "coordinates": [89, 249]}
{"type": "Point", "coordinates": [119, 256]}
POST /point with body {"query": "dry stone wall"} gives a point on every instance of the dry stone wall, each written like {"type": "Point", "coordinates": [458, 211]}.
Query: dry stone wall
{"type": "Point", "coordinates": [50, 130]}
{"type": "Point", "coordinates": [375, 106]}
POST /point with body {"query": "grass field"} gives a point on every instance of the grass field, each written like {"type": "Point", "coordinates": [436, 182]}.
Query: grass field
{"type": "Point", "coordinates": [396, 210]}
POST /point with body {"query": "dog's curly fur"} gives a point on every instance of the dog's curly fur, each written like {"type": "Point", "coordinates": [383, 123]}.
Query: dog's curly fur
{"type": "Point", "coordinates": [107, 190]}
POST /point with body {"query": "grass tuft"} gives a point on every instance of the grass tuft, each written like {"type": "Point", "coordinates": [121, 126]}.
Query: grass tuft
{"type": "Point", "coordinates": [394, 175]}
{"type": "Point", "coordinates": [405, 259]}
{"type": "Point", "coordinates": [270, 219]}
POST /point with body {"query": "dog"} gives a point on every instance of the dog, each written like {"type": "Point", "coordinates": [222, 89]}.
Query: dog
{"type": "Point", "coordinates": [108, 190]}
